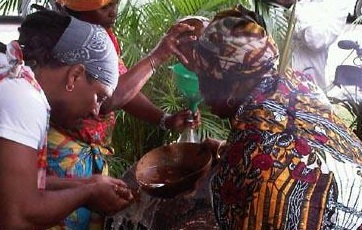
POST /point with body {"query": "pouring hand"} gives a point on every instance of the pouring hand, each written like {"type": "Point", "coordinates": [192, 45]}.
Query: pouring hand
{"type": "Point", "coordinates": [170, 42]}
{"type": "Point", "coordinates": [181, 120]}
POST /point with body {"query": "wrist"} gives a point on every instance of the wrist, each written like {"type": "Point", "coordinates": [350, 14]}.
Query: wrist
{"type": "Point", "coordinates": [89, 190]}
{"type": "Point", "coordinates": [152, 63]}
{"type": "Point", "coordinates": [158, 57]}
{"type": "Point", "coordinates": [163, 124]}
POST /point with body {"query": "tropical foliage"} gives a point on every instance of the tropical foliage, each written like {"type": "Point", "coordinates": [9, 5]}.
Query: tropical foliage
{"type": "Point", "coordinates": [23, 7]}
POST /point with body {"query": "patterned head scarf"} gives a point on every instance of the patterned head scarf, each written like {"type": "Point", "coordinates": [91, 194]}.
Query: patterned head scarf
{"type": "Point", "coordinates": [234, 45]}
{"type": "Point", "coordinates": [84, 5]}
{"type": "Point", "coordinates": [89, 44]}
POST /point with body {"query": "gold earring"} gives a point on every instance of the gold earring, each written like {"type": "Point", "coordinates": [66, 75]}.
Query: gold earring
{"type": "Point", "coordinates": [69, 88]}
{"type": "Point", "coordinates": [230, 102]}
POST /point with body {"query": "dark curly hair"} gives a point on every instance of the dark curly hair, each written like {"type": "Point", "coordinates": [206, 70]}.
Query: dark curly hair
{"type": "Point", "coordinates": [39, 33]}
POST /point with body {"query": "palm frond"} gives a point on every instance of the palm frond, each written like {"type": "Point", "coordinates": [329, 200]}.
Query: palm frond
{"type": "Point", "coordinates": [212, 126]}
{"type": "Point", "coordinates": [280, 23]}
{"type": "Point", "coordinates": [285, 57]}
{"type": "Point", "coordinates": [8, 6]}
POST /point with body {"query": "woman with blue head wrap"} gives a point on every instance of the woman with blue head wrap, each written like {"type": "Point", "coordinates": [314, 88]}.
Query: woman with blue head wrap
{"type": "Point", "coordinates": [80, 151]}
{"type": "Point", "coordinates": [73, 68]}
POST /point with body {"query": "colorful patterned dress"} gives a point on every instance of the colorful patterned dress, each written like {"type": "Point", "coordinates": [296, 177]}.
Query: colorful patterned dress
{"type": "Point", "coordinates": [290, 163]}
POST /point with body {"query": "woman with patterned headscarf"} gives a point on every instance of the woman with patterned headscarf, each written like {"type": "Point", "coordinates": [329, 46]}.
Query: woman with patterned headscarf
{"type": "Point", "coordinates": [289, 162]}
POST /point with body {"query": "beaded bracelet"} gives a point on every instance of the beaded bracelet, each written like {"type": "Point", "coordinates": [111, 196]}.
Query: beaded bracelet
{"type": "Point", "coordinates": [162, 123]}
{"type": "Point", "coordinates": [152, 63]}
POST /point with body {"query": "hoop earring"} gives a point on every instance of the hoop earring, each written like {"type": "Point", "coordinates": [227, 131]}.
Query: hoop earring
{"type": "Point", "coordinates": [69, 88]}
{"type": "Point", "coordinates": [230, 102]}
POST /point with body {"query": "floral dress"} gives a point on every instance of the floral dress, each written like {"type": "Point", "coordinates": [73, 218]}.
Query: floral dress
{"type": "Point", "coordinates": [290, 163]}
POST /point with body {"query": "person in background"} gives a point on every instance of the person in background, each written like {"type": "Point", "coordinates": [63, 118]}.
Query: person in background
{"type": "Point", "coordinates": [79, 152]}
{"type": "Point", "coordinates": [318, 25]}
{"type": "Point", "coordinates": [57, 81]}
{"type": "Point", "coordinates": [289, 162]}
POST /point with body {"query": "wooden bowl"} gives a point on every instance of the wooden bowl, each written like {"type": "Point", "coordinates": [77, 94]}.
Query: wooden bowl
{"type": "Point", "coordinates": [173, 169]}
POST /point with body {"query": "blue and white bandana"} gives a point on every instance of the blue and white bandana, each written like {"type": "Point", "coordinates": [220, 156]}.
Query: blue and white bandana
{"type": "Point", "coordinates": [89, 44]}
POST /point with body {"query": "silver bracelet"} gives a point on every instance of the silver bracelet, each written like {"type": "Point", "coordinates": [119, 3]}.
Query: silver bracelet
{"type": "Point", "coordinates": [162, 123]}
{"type": "Point", "coordinates": [152, 63]}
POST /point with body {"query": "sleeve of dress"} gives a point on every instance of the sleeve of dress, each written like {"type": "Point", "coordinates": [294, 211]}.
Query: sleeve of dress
{"type": "Point", "coordinates": [23, 113]}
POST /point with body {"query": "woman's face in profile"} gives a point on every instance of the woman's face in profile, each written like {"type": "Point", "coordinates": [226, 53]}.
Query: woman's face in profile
{"type": "Point", "coordinates": [215, 94]}
{"type": "Point", "coordinates": [105, 16]}
{"type": "Point", "coordinates": [83, 100]}
{"type": "Point", "coordinates": [209, 87]}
